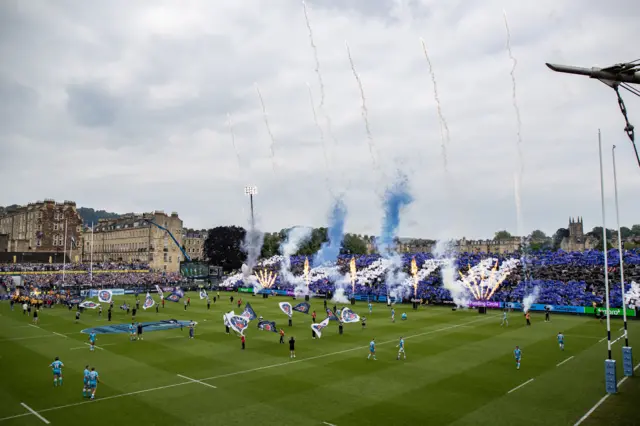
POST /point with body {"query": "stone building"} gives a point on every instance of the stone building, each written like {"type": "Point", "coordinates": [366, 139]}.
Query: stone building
{"type": "Point", "coordinates": [577, 240]}
{"type": "Point", "coordinates": [509, 245]}
{"type": "Point", "coordinates": [132, 238]}
{"type": "Point", "coordinates": [193, 243]}
{"type": "Point", "coordinates": [40, 227]}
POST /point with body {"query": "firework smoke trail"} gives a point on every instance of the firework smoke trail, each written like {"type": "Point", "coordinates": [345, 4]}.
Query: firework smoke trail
{"type": "Point", "coordinates": [324, 145]}
{"type": "Point", "coordinates": [444, 128]}
{"type": "Point", "coordinates": [365, 112]}
{"type": "Point", "coordinates": [233, 140]}
{"type": "Point", "coordinates": [266, 122]}
{"type": "Point", "coordinates": [315, 54]}
{"type": "Point", "coordinates": [513, 92]}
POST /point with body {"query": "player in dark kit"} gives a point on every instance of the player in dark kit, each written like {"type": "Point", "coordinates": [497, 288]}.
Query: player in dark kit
{"type": "Point", "coordinates": [292, 347]}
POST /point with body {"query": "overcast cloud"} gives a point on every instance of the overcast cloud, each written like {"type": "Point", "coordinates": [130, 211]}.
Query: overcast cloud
{"type": "Point", "coordinates": [123, 106]}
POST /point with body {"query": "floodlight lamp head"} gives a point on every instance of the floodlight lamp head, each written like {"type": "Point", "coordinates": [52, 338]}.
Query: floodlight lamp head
{"type": "Point", "coordinates": [250, 190]}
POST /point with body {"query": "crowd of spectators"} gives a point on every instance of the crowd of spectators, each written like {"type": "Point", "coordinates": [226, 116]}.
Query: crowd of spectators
{"type": "Point", "coordinates": [97, 275]}
{"type": "Point", "coordinates": [562, 278]}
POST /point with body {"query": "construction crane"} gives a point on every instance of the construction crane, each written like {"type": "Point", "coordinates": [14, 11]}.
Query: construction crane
{"type": "Point", "coordinates": [615, 76]}
{"type": "Point", "coordinates": [184, 253]}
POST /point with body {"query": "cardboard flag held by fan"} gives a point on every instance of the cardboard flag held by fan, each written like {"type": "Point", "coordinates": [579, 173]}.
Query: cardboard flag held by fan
{"type": "Point", "coordinates": [303, 307]}
{"type": "Point", "coordinates": [348, 316]}
{"type": "Point", "coordinates": [249, 313]}
{"type": "Point", "coordinates": [633, 296]}
{"type": "Point", "coordinates": [105, 296]}
{"type": "Point", "coordinates": [331, 316]}
{"type": "Point", "coordinates": [267, 326]}
{"type": "Point", "coordinates": [148, 302]}
{"type": "Point", "coordinates": [319, 326]}
{"type": "Point", "coordinates": [286, 308]}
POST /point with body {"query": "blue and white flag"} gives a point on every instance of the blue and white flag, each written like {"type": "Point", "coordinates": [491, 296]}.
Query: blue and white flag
{"type": "Point", "coordinates": [249, 313]}
{"type": "Point", "coordinates": [303, 307]}
{"type": "Point", "coordinates": [105, 296]}
{"type": "Point", "coordinates": [348, 316]}
{"type": "Point", "coordinates": [173, 297]}
{"type": "Point", "coordinates": [159, 290]}
{"type": "Point", "coordinates": [238, 323]}
{"type": "Point", "coordinates": [286, 308]}
{"type": "Point", "coordinates": [148, 302]}
{"type": "Point", "coordinates": [267, 326]}
{"type": "Point", "coordinates": [88, 305]}
{"type": "Point", "coordinates": [179, 292]}
{"type": "Point", "coordinates": [203, 294]}
{"type": "Point", "coordinates": [318, 327]}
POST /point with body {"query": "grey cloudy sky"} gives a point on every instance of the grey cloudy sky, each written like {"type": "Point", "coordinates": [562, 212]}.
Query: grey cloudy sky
{"type": "Point", "coordinates": [123, 106]}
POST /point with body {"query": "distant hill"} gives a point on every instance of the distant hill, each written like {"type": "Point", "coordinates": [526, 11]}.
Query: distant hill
{"type": "Point", "coordinates": [89, 215]}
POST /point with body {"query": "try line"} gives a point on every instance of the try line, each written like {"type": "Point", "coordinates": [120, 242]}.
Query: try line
{"type": "Point", "coordinates": [192, 381]}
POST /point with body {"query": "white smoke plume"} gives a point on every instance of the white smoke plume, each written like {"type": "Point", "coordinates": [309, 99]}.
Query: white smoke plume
{"type": "Point", "coordinates": [252, 245]}
{"type": "Point", "coordinates": [296, 237]}
{"type": "Point", "coordinates": [530, 299]}
{"type": "Point", "coordinates": [459, 293]}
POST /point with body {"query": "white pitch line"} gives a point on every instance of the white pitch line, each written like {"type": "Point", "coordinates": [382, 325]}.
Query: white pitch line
{"type": "Point", "coordinates": [602, 340]}
{"type": "Point", "coordinates": [328, 424]}
{"type": "Point", "coordinates": [34, 413]}
{"type": "Point", "coordinates": [197, 381]}
{"type": "Point", "coordinates": [599, 403]}
{"type": "Point", "coordinates": [232, 374]}
{"type": "Point", "coordinates": [558, 365]}
{"type": "Point", "coordinates": [518, 387]}
{"type": "Point", "coordinates": [58, 334]}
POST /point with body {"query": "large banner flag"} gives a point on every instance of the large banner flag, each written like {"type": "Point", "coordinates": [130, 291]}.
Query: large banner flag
{"type": "Point", "coordinates": [331, 316]}
{"type": "Point", "coordinates": [105, 296]}
{"type": "Point", "coordinates": [249, 313]}
{"type": "Point", "coordinates": [159, 290]}
{"type": "Point", "coordinates": [148, 302]}
{"type": "Point", "coordinates": [174, 297]}
{"type": "Point", "coordinates": [319, 326]}
{"type": "Point", "coordinates": [89, 305]}
{"type": "Point", "coordinates": [203, 294]}
{"type": "Point", "coordinates": [633, 296]}
{"type": "Point", "coordinates": [348, 316]}
{"type": "Point", "coordinates": [303, 307]}
{"type": "Point", "coordinates": [179, 292]}
{"type": "Point", "coordinates": [237, 323]}
{"type": "Point", "coordinates": [286, 308]}
{"type": "Point", "coordinates": [75, 300]}
{"type": "Point", "coordinates": [267, 326]}
{"type": "Point", "coordinates": [225, 318]}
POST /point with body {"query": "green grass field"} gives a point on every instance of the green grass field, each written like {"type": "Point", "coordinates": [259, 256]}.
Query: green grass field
{"type": "Point", "coordinates": [460, 370]}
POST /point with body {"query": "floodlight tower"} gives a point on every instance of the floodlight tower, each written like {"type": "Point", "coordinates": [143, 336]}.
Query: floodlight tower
{"type": "Point", "coordinates": [251, 191]}
{"type": "Point", "coordinates": [615, 76]}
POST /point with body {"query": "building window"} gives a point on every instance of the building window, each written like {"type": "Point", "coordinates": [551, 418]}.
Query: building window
{"type": "Point", "coordinates": [55, 226]}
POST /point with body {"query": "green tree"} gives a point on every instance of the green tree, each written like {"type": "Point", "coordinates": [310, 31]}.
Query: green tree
{"type": "Point", "coordinates": [271, 244]}
{"type": "Point", "coordinates": [353, 244]}
{"type": "Point", "coordinates": [625, 232]}
{"type": "Point", "coordinates": [635, 230]}
{"type": "Point", "coordinates": [318, 236]}
{"type": "Point", "coordinates": [558, 236]}
{"type": "Point", "coordinates": [502, 235]}
{"type": "Point", "coordinates": [223, 247]}
{"type": "Point", "coordinates": [538, 235]}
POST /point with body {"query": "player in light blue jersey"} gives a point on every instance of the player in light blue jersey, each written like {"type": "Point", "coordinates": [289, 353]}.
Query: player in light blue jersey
{"type": "Point", "coordinates": [561, 341]}
{"type": "Point", "coordinates": [401, 349]}
{"type": "Point", "coordinates": [517, 353]}
{"type": "Point", "coordinates": [132, 332]}
{"type": "Point", "coordinates": [393, 315]}
{"type": "Point", "coordinates": [93, 382]}
{"type": "Point", "coordinates": [56, 366]}
{"type": "Point", "coordinates": [372, 349]}
{"type": "Point", "coordinates": [92, 340]}
{"type": "Point", "coordinates": [370, 308]}
{"type": "Point", "coordinates": [505, 320]}
{"type": "Point", "coordinates": [85, 388]}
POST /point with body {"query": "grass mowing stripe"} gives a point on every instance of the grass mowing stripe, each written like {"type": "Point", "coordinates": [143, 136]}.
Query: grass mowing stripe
{"type": "Point", "coordinates": [519, 386]}
{"type": "Point", "coordinates": [34, 413]}
{"type": "Point", "coordinates": [603, 399]}
{"type": "Point", "coordinates": [192, 381]}
{"type": "Point", "coordinates": [339, 352]}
